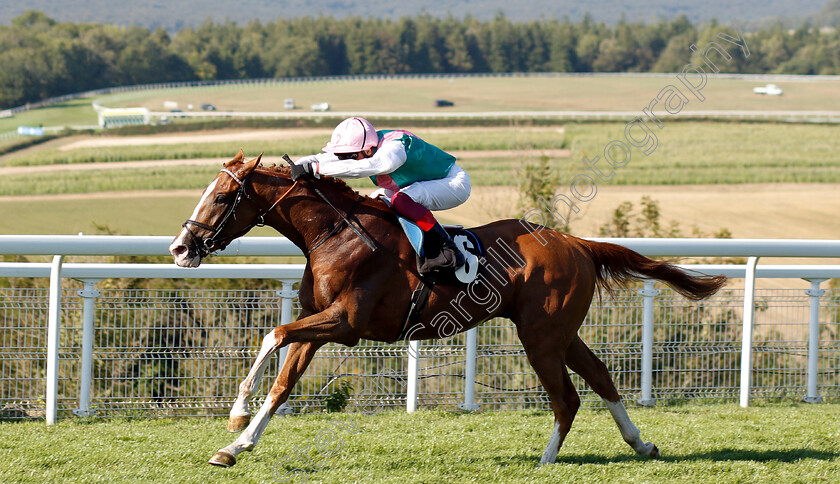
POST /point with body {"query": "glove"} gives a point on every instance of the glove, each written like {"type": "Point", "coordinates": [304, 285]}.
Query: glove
{"type": "Point", "coordinates": [308, 159]}
{"type": "Point", "coordinates": [303, 169]}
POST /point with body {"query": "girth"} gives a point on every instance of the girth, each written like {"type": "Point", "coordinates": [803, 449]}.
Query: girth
{"type": "Point", "coordinates": [418, 301]}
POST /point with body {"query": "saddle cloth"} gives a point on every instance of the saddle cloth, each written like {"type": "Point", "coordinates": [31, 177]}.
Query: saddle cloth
{"type": "Point", "coordinates": [466, 241]}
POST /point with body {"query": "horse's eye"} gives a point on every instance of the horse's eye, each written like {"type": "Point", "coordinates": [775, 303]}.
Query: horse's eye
{"type": "Point", "coordinates": [221, 198]}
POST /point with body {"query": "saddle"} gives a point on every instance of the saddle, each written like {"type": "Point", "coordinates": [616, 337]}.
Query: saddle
{"type": "Point", "coordinates": [466, 241]}
{"type": "Point", "coordinates": [469, 245]}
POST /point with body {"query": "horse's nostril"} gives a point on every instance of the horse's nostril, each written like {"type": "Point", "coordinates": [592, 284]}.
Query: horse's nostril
{"type": "Point", "coordinates": [178, 250]}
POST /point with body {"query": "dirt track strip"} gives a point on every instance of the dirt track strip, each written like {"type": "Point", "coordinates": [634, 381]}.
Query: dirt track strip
{"type": "Point", "coordinates": [21, 170]}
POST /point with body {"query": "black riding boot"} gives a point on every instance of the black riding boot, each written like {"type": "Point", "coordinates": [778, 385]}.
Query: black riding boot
{"type": "Point", "coordinates": [441, 254]}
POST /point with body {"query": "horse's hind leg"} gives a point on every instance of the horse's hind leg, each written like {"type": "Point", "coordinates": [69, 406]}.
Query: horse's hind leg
{"type": "Point", "coordinates": [548, 363]}
{"type": "Point", "coordinates": [584, 362]}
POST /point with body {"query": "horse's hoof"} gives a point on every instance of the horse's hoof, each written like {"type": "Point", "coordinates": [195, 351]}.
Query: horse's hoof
{"type": "Point", "coordinates": [223, 459]}
{"type": "Point", "coordinates": [238, 424]}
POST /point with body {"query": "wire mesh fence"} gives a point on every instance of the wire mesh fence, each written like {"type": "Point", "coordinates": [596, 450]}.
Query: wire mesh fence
{"type": "Point", "coordinates": [181, 352]}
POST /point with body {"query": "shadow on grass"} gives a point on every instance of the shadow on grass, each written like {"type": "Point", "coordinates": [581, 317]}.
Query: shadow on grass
{"type": "Point", "coordinates": [534, 459]}
{"type": "Point", "coordinates": [721, 455]}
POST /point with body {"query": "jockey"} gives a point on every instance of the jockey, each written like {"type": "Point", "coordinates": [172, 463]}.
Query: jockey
{"type": "Point", "coordinates": [417, 177]}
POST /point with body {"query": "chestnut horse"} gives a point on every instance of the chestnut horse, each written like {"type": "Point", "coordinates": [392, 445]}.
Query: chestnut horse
{"type": "Point", "coordinates": [359, 279]}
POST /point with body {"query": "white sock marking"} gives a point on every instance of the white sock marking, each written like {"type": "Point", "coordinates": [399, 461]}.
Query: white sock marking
{"type": "Point", "coordinates": [550, 454]}
{"type": "Point", "coordinates": [249, 437]}
{"type": "Point", "coordinates": [629, 432]}
{"type": "Point", "coordinates": [251, 382]}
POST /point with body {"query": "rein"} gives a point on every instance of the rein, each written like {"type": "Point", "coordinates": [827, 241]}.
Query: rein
{"type": "Point", "coordinates": [344, 218]}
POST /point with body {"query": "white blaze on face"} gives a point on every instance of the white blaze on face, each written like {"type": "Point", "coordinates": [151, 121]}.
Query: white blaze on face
{"type": "Point", "coordinates": [178, 248]}
{"type": "Point", "coordinates": [207, 192]}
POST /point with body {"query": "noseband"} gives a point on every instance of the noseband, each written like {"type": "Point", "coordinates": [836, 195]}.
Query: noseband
{"type": "Point", "coordinates": [208, 245]}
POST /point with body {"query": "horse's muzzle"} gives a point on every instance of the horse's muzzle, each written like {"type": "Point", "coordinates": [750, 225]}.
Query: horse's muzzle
{"type": "Point", "coordinates": [184, 251]}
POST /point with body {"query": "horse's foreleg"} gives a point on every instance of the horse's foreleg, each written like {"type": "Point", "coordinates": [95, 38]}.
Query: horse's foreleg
{"type": "Point", "coordinates": [324, 326]}
{"type": "Point", "coordinates": [310, 333]}
{"type": "Point", "coordinates": [297, 360]}
{"type": "Point", "coordinates": [584, 362]}
{"type": "Point", "coordinates": [240, 416]}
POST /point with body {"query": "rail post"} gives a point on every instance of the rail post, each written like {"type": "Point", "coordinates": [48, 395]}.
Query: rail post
{"type": "Point", "coordinates": [53, 338]}
{"type": "Point", "coordinates": [287, 294]}
{"type": "Point", "coordinates": [814, 340]}
{"type": "Point", "coordinates": [469, 377]}
{"type": "Point", "coordinates": [413, 370]}
{"type": "Point", "coordinates": [747, 332]}
{"type": "Point", "coordinates": [88, 294]}
{"type": "Point", "coordinates": [648, 293]}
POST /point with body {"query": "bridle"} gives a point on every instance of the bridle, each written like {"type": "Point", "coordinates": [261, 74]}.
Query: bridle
{"type": "Point", "coordinates": [206, 247]}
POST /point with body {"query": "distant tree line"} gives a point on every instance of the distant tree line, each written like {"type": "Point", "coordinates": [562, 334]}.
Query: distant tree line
{"type": "Point", "coordinates": [41, 58]}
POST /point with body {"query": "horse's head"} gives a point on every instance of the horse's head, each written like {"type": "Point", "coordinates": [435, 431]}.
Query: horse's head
{"type": "Point", "coordinates": [226, 211]}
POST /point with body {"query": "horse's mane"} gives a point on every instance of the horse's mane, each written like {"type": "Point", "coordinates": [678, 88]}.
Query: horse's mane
{"type": "Point", "coordinates": [336, 184]}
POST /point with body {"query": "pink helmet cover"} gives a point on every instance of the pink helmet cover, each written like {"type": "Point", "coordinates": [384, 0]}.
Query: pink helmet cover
{"type": "Point", "coordinates": [352, 135]}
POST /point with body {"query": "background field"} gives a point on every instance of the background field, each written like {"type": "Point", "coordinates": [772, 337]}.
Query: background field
{"type": "Point", "coordinates": [717, 443]}
{"type": "Point", "coordinates": [687, 153]}
{"type": "Point", "coordinates": [756, 179]}
{"type": "Point", "coordinates": [602, 93]}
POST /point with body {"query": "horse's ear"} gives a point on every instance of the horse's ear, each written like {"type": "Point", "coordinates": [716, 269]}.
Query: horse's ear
{"type": "Point", "coordinates": [239, 158]}
{"type": "Point", "coordinates": [252, 164]}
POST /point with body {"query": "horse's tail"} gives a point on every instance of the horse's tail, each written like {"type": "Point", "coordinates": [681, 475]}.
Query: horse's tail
{"type": "Point", "coordinates": [616, 266]}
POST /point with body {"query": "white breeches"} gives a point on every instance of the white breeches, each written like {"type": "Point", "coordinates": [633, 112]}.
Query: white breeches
{"type": "Point", "coordinates": [441, 194]}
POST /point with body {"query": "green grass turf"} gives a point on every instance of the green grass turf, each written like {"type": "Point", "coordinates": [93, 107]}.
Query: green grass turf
{"type": "Point", "coordinates": [135, 214]}
{"type": "Point", "coordinates": [77, 112]}
{"type": "Point", "coordinates": [719, 153]}
{"type": "Point", "coordinates": [716, 443]}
